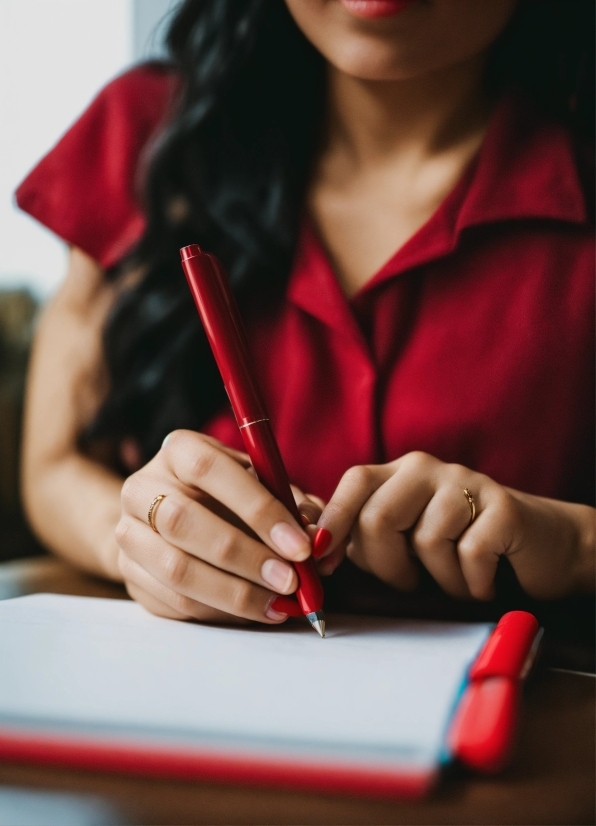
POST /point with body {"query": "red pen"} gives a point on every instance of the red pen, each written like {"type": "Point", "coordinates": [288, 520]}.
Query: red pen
{"type": "Point", "coordinates": [225, 332]}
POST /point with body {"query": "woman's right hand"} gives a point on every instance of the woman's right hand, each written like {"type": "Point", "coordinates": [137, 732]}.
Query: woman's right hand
{"type": "Point", "coordinates": [224, 545]}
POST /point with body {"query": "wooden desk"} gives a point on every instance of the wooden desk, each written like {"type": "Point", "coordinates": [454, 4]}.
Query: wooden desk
{"type": "Point", "coordinates": [551, 780]}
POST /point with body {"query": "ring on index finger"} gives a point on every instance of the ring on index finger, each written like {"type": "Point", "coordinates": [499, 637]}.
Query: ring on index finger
{"type": "Point", "coordinates": [152, 509]}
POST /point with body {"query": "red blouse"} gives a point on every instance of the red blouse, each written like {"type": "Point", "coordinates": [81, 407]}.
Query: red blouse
{"type": "Point", "coordinates": [474, 342]}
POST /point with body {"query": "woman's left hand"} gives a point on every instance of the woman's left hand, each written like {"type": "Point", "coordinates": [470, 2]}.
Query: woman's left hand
{"type": "Point", "coordinates": [415, 506]}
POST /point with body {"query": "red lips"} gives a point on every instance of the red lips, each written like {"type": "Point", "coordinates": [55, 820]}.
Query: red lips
{"type": "Point", "coordinates": [376, 8]}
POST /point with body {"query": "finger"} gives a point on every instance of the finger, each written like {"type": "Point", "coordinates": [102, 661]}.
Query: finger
{"type": "Point", "coordinates": [154, 605]}
{"type": "Point", "coordinates": [310, 507]}
{"type": "Point", "coordinates": [355, 487]}
{"type": "Point", "coordinates": [435, 536]}
{"type": "Point", "coordinates": [189, 577]}
{"type": "Point", "coordinates": [163, 602]}
{"type": "Point", "coordinates": [306, 508]}
{"type": "Point", "coordinates": [191, 527]}
{"type": "Point", "coordinates": [219, 544]}
{"type": "Point", "coordinates": [239, 455]}
{"type": "Point", "coordinates": [316, 499]}
{"type": "Point", "coordinates": [384, 552]}
{"type": "Point", "coordinates": [479, 550]}
{"type": "Point", "coordinates": [309, 511]}
{"type": "Point", "coordinates": [197, 463]}
{"type": "Point", "coordinates": [379, 541]}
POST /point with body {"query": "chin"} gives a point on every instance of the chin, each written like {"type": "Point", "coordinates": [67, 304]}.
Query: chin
{"type": "Point", "coordinates": [416, 38]}
{"type": "Point", "coordinates": [368, 60]}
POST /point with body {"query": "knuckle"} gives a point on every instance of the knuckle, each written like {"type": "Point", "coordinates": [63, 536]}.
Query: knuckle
{"type": "Point", "coordinates": [240, 598]}
{"type": "Point", "coordinates": [508, 510]}
{"type": "Point", "coordinates": [262, 510]}
{"type": "Point", "coordinates": [172, 516]}
{"type": "Point", "coordinates": [128, 492]}
{"type": "Point", "coordinates": [357, 476]}
{"type": "Point", "coordinates": [459, 473]}
{"type": "Point", "coordinates": [425, 537]}
{"type": "Point", "coordinates": [122, 533]}
{"type": "Point", "coordinates": [417, 460]}
{"type": "Point", "coordinates": [174, 441]}
{"type": "Point", "coordinates": [184, 605]}
{"type": "Point", "coordinates": [226, 551]}
{"type": "Point", "coordinates": [175, 567]}
{"type": "Point", "coordinates": [373, 520]}
{"type": "Point", "coordinates": [203, 459]}
{"type": "Point", "coordinates": [472, 547]}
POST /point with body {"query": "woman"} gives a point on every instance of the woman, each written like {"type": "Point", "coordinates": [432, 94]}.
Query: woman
{"type": "Point", "coordinates": [396, 188]}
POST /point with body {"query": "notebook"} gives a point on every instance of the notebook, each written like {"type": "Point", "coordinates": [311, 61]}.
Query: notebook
{"type": "Point", "coordinates": [104, 684]}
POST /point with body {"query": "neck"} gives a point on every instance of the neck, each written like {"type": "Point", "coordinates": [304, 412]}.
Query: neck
{"type": "Point", "coordinates": [371, 121]}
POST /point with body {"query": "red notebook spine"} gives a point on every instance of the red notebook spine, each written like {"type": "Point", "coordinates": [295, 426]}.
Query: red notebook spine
{"type": "Point", "coordinates": [482, 732]}
{"type": "Point", "coordinates": [303, 774]}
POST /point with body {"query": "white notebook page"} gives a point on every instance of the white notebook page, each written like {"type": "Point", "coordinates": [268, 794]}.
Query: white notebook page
{"type": "Point", "coordinates": [379, 689]}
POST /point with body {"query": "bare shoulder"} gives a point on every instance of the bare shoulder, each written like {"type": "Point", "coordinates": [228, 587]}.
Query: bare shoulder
{"type": "Point", "coordinates": [85, 291]}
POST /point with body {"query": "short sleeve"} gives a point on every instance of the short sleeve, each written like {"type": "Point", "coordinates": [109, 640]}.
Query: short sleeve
{"type": "Point", "coordinates": [86, 188]}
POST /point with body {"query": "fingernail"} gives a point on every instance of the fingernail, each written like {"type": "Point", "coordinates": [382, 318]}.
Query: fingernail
{"type": "Point", "coordinates": [272, 614]}
{"type": "Point", "coordinates": [277, 574]}
{"type": "Point", "coordinates": [286, 605]}
{"type": "Point", "coordinates": [290, 540]}
{"type": "Point", "coordinates": [304, 519]}
{"type": "Point", "coordinates": [321, 542]}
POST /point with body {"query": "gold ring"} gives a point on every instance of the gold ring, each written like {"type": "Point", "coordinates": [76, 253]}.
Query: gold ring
{"type": "Point", "coordinates": [152, 508]}
{"type": "Point", "coordinates": [472, 504]}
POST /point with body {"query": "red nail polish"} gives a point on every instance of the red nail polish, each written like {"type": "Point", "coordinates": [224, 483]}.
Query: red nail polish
{"type": "Point", "coordinates": [321, 542]}
{"type": "Point", "coordinates": [286, 605]}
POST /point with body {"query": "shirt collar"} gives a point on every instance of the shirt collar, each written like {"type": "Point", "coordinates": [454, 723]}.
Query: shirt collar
{"type": "Point", "coordinates": [314, 288]}
{"type": "Point", "coordinates": [525, 169]}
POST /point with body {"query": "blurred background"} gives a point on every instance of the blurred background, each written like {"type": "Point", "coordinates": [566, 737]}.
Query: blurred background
{"type": "Point", "coordinates": [55, 55]}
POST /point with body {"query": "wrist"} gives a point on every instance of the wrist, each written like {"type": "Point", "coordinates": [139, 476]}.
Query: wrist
{"type": "Point", "coordinates": [561, 536]}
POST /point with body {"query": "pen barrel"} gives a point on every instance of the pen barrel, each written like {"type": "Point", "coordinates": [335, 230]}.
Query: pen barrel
{"type": "Point", "coordinates": [226, 335]}
{"type": "Point", "coordinates": [271, 472]}
{"type": "Point", "coordinates": [225, 332]}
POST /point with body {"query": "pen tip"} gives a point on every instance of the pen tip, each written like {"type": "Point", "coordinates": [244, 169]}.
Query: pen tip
{"type": "Point", "coordinates": [317, 620]}
{"type": "Point", "coordinates": [319, 627]}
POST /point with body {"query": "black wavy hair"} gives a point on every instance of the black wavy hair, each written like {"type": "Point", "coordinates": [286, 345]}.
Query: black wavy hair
{"type": "Point", "coordinates": [229, 172]}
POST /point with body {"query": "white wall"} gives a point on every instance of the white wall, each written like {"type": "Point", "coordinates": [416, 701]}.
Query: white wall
{"type": "Point", "coordinates": [54, 57]}
{"type": "Point", "coordinates": [150, 18]}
